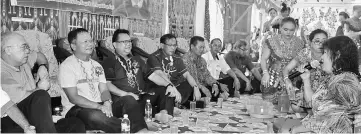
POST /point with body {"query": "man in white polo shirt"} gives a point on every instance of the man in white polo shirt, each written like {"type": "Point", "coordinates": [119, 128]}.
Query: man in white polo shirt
{"type": "Point", "coordinates": [217, 64]}
{"type": "Point", "coordinates": [87, 95]}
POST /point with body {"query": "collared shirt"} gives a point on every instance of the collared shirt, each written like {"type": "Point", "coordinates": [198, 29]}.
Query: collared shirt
{"type": "Point", "coordinates": [197, 67]}
{"type": "Point", "coordinates": [173, 66]}
{"type": "Point", "coordinates": [216, 66]}
{"type": "Point", "coordinates": [18, 83]}
{"type": "Point", "coordinates": [126, 75]}
{"type": "Point", "coordinates": [5, 102]}
{"type": "Point", "coordinates": [235, 60]}
{"type": "Point", "coordinates": [84, 75]}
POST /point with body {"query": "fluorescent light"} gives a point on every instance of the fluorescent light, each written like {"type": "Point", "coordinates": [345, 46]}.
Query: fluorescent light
{"type": "Point", "coordinates": [22, 19]}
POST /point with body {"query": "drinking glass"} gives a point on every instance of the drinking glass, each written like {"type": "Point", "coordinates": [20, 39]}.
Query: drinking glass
{"type": "Point", "coordinates": [193, 105]}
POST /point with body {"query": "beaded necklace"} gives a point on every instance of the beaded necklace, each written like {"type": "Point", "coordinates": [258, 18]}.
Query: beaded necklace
{"type": "Point", "coordinates": [132, 79]}
{"type": "Point", "coordinates": [90, 78]}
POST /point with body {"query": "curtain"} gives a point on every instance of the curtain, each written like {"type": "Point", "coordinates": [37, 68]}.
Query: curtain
{"type": "Point", "coordinates": [216, 20]}
{"type": "Point", "coordinates": [207, 22]}
{"type": "Point", "coordinates": [63, 25]}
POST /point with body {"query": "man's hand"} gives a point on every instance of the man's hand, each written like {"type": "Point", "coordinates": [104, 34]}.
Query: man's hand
{"type": "Point", "coordinates": [29, 130]}
{"type": "Point", "coordinates": [215, 89]}
{"type": "Point", "coordinates": [248, 86]}
{"type": "Point", "coordinates": [136, 97]}
{"type": "Point", "coordinates": [196, 93]}
{"type": "Point", "coordinates": [171, 90]}
{"type": "Point", "coordinates": [106, 109]}
{"type": "Point", "coordinates": [224, 87]}
{"type": "Point", "coordinates": [178, 97]}
{"type": "Point", "coordinates": [236, 84]}
{"type": "Point", "coordinates": [205, 91]}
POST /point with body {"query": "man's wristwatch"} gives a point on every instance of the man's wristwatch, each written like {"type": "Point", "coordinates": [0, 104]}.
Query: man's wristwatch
{"type": "Point", "coordinates": [110, 101]}
{"type": "Point", "coordinates": [170, 84]}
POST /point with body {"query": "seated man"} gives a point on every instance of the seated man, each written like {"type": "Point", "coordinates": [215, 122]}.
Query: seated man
{"type": "Point", "coordinates": [84, 83]}
{"type": "Point", "coordinates": [239, 60]}
{"type": "Point", "coordinates": [216, 64]}
{"type": "Point", "coordinates": [8, 107]}
{"type": "Point", "coordinates": [197, 67]}
{"type": "Point", "coordinates": [167, 73]}
{"type": "Point", "coordinates": [33, 101]}
{"type": "Point", "coordinates": [125, 78]}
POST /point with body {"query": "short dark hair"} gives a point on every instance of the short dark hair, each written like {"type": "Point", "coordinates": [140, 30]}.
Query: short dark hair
{"type": "Point", "coordinates": [343, 53]}
{"type": "Point", "coordinates": [194, 40]}
{"type": "Point", "coordinates": [288, 19]}
{"type": "Point", "coordinates": [117, 32]}
{"type": "Point", "coordinates": [239, 43]}
{"type": "Point", "coordinates": [269, 10]}
{"type": "Point", "coordinates": [166, 37]}
{"type": "Point", "coordinates": [285, 8]}
{"type": "Point", "coordinates": [317, 31]}
{"type": "Point", "coordinates": [72, 35]}
{"type": "Point", "coordinates": [344, 14]}
{"type": "Point", "coordinates": [215, 40]}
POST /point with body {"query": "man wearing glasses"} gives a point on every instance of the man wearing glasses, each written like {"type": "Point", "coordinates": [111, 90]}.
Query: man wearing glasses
{"type": "Point", "coordinates": [167, 73]}
{"type": "Point", "coordinates": [33, 102]}
{"type": "Point", "coordinates": [125, 74]}
{"type": "Point", "coordinates": [216, 64]}
{"type": "Point", "coordinates": [239, 60]}
{"type": "Point", "coordinates": [88, 97]}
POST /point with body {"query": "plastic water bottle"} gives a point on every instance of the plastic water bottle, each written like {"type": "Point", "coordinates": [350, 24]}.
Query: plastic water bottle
{"type": "Point", "coordinates": [148, 111]}
{"type": "Point", "coordinates": [125, 124]}
{"type": "Point", "coordinates": [283, 102]}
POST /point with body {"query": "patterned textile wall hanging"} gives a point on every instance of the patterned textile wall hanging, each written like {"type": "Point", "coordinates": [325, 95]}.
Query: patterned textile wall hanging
{"type": "Point", "coordinates": [99, 26]}
{"type": "Point", "coordinates": [151, 29]}
{"type": "Point", "coordinates": [44, 20]}
{"type": "Point", "coordinates": [320, 18]}
{"type": "Point", "coordinates": [181, 16]}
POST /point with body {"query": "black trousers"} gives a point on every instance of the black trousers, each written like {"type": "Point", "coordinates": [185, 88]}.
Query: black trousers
{"type": "Point", "coordinates": [36, 108]}
{"type": "Point", "coordinates": [160, 101]}
{"type": "Point", "coordinates": [95, 119]}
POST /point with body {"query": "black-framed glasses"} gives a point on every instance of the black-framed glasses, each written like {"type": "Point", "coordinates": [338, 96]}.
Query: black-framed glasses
{"type": "Point", "coordinates": [124, 42]}
{"type": "Point", "coordinates": [23, 47]}
{"type": "Point", "coordinates": [172, 45]}
{"type": "Point", "coordinates": [318, 41]}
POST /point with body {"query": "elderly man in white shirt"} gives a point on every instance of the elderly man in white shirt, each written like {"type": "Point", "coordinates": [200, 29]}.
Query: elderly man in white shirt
{"type": "Point", "coordinates": [217, 64]}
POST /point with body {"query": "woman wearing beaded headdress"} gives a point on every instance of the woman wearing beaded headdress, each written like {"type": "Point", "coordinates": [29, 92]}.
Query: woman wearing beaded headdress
{"type": "Point", "coordinates": [352, 26]}
{"type": "Point", "coordinates": [285, 12]}
{"type": "Point", "coordinates": [277, 52]}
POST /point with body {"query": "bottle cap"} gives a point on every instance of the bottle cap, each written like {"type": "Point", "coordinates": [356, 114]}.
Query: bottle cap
{"type": "Point", "coordinates": [125, 116]}
{"type": "Point", "coordinates": [148, 100]}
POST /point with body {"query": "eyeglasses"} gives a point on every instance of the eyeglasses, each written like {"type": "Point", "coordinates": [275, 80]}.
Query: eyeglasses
{"type": "Point", "coordinates": [124, 42]}
{"type": "Point", "coordinates": [172, 45]}
{"type": "Point", "coordinates": [23, 47]}
{"type": "Point", "coordinates": [318, 42]}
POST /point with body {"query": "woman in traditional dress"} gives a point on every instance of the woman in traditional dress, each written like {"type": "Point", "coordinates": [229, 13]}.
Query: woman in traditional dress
{"type": "Point", "coordinates": [272, 12]}
{"type": "Point", "coordinates": [277, 52]}
{"type": "Point", "coordinates": [306, 56]}
{"type": "Point", "coordinates": [285, 12]}
{"type": "Point", "coordinates": [337, 97]}
{"type": "Point", "coordinates": [352, 26]}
